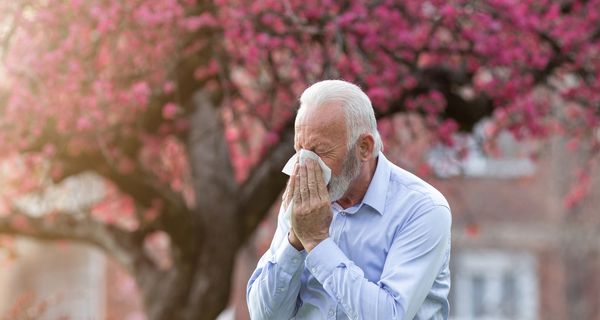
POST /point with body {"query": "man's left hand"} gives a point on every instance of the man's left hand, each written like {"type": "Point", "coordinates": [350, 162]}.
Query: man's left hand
{"type": "Point", "coordinates": [311, 216]}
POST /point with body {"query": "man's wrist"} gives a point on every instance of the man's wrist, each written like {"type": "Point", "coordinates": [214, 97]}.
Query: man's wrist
{"type": "Point", "coordinates": [294, 241]}
{"type": "Point", "coordinates": [310, 245]}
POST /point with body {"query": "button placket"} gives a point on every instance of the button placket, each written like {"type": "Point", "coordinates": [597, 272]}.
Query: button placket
{"type": "Point", "coordinates": [333, 230]}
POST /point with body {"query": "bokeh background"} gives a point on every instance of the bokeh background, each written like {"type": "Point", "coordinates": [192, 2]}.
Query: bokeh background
{"type": "Point", "coordinates": [141, 144]}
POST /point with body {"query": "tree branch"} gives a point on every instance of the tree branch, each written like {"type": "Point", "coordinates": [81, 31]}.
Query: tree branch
{"type": "Point", "coordinates": [208, 155]}
{"type": "Point", "coordinates": [126, 247]}
{"type": "Point", "coordinates": [140, 184]}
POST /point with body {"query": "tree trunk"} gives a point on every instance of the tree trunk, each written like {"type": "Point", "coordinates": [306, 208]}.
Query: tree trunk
{"type": "Point", "coordinates": [212, 279]}
{"type": "Point", "coordinates": [194, 290]}
{"type": "Point", "coordinates": [198, 284]}
{"type": "Point", "coordinates": [205, 239]}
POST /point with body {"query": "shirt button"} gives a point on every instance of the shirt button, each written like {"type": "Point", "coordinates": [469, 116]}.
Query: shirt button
{"type": "Point", "coordinates": [343, 213]}
{"type": "Point", "coordinates": [331, 313]}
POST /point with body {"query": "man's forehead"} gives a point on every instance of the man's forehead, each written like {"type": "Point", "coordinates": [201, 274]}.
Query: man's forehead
{"type": "Point", "coordinates": [333, 108]}
{"type": "Point", "coordinates": [324, 136]}
{"type": "Point", "coordinates": [324, 125]}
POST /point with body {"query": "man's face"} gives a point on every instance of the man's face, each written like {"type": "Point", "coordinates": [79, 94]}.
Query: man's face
{"type": "Point", "coordinates": [323, 131]}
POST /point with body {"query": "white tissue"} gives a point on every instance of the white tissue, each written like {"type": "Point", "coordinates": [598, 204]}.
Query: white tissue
{"type": "Point", "coordinates": [307, 154]}
{"type": "Point", "coordinates": [289, 169]}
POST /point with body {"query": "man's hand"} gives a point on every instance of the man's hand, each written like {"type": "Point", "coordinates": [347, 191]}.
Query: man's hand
{"type": "Point", "coordinates": [288, 196]}
{"type": "Point", "coordinates": [311, 214]}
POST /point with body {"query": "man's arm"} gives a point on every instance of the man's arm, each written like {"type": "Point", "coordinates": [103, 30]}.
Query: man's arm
{"type": "Point", "coordinates": [413, 262]}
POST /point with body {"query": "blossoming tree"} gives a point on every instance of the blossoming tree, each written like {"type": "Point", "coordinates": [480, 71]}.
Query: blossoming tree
{"type": "Point", "coordinates": [185, 108]}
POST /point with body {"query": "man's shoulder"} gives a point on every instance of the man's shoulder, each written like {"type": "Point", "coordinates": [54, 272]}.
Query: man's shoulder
{"type": "Point", "coordinates": [406, 186]}
{"type": "Point", "coordinates": [414, 202]}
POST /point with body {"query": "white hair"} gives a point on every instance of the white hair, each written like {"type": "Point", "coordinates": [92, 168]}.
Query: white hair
{"type": "Point", "coordinates": [360, 117]}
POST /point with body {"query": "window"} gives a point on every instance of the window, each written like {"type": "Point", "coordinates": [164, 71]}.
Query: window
{"type": "Point", "coordinates": [512, 162]}
{"type": "Point", "coordinates": [494, 285]}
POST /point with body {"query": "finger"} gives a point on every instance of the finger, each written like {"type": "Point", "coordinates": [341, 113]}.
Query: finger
{"type": "Point", "coordinates": [296, 169]}
{"type": "Point", "coordinates": [289, 190]}
{"type": "Point", "coordinates": [303, 185]}
{"type": "Point", "coordinates": [295, 186]}
{"type": "Point", "coordinates": [291, 185]}
{"type": "Point", "coordinates": [321, 186]}
{"type": "Point", "coordinates": [286, 192]}
{"type": "Point", "coordinates": [313, 189]}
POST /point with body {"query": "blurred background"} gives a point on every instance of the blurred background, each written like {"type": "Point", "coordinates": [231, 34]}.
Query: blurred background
{"type": "Point", "coordinates": [141, 144]}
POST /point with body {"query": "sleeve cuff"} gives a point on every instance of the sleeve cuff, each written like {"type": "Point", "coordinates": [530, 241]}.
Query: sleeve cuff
{"type": "Point", "coordinates": [324, 258]}
{"type": "Point", "coordinates": [288, 258]}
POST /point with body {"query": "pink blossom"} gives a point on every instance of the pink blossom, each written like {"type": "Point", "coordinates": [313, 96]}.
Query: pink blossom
{"type": "Point", "coordinates": [19, 222]}
{"type": "Point", "coordinates": [272, 138]}
{"type": "Point", "coordinates": [169, 87]}
{"type": "Point", "coordinates": [170, 110]}
{"type": "Point", "coordinates": [83, 123]}
{"type": "Point", "coordinates": [196, 22]}
{"type": "Point", "coordinates": [141, 92]}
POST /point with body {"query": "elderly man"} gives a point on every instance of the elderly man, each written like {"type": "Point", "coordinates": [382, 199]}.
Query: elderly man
{"type": "Point", "coordinates": [372, 244]}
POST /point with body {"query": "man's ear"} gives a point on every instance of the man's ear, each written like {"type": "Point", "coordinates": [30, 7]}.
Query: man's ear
{"type": "Point", "coordinates": [366, 144]}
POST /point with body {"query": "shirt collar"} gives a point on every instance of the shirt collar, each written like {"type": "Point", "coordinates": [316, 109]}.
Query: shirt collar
{"type": "Point", "coordinates": [377, 191]}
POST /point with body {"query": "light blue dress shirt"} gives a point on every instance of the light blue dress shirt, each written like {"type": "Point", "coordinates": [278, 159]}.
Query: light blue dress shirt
{"type": "Point", "coordinates": [385, 258]}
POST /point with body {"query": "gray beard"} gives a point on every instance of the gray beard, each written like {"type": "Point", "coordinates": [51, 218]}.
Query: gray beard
{"type": "Point", "coordinates": [350, 170]}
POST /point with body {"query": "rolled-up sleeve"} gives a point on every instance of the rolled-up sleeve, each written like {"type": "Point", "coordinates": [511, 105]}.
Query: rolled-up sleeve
{"type": "Point", "coordinates": [413, 262]}
{"type": "Point", "coordinates": [272, 291]}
